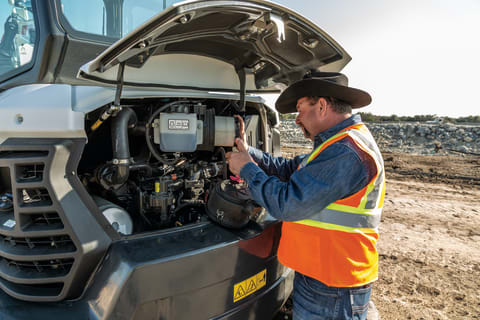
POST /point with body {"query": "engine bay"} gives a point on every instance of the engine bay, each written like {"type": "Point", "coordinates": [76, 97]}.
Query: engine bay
{"type": "Point", "coordinates": [151, 165]}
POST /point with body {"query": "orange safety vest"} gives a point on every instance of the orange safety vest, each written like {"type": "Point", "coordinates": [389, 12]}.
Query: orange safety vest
{"type": "Point", "coordinates": [337, 245]}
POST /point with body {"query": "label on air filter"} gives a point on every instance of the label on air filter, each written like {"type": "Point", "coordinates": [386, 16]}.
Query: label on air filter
{"type": "Point", "coordinates": [178, 124]}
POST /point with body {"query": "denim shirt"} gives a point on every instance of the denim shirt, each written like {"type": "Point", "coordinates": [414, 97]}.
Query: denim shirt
{"type": "Point", "coordinates": [289, 194]}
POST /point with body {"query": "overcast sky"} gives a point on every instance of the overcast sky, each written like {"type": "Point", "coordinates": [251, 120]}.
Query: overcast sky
{"type": "Point", "coordinates": [412, 56]}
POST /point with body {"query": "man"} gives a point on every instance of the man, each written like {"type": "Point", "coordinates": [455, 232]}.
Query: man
{"type": "Point", "coordinates": [330, 200]}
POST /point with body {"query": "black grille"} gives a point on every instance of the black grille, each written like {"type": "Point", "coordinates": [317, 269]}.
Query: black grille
{"type": "Point", "coordinates": [51, 238]}
{"type": "Point", "coordinates": [36, 252]}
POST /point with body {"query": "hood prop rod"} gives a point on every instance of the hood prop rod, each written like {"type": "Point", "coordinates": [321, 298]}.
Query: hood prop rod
{"type": "Point", "coordinates": [242, 76]}
{"type": "Point", "coordinates": [115, 108]}
{"type": "Point", "coordinates": [118, 93]}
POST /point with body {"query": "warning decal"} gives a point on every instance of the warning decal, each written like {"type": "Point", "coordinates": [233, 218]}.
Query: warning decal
{"type": "Point", "coordinates": [250, 285]}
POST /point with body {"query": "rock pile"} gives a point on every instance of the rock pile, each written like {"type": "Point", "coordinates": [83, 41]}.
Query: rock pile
{"type": "Point", "coordinates": [411, 137]}
{"type": "Point", "coordinates": [292, 136]}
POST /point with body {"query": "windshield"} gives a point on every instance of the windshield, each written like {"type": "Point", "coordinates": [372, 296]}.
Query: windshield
{"type": "Point", "coordinates": [17, 35]}
{"type": "Point", "coordinates": [110, 18]}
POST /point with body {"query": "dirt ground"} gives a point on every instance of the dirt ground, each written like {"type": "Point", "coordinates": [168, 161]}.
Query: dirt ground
{"type": "Point", "coordinates": [429, 238]}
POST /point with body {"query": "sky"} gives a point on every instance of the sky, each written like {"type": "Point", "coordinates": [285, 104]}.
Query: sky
{"type": "Point", "coordinates": [412, 56]}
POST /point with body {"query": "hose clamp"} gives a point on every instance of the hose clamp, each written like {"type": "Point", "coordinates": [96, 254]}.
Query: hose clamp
{"type": "Point", "coordinates": [120, 161]}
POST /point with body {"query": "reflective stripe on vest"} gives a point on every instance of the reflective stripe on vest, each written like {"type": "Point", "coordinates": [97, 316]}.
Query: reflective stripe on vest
{"type": "Point", "coordinates": [365, 216]}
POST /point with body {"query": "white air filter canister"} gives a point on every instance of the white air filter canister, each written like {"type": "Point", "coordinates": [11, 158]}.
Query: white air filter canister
{"type": "Point", "coordinates": [224, 131]}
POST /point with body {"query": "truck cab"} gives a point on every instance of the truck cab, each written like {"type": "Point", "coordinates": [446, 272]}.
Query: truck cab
{"type": "Point", "coordinates": [116, 201]}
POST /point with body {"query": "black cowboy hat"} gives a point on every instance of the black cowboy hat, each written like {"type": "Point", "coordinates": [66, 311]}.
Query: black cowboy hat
{"type": "Point", "coordinates": [321, 84]}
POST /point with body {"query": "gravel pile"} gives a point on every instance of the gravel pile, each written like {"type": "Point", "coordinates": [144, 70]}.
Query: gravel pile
{"type": "Point", "coordinates": [410, 137]}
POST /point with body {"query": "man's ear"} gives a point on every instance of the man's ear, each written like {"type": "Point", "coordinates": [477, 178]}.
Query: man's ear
{"type": "Point", "coordinates": [322, 104]}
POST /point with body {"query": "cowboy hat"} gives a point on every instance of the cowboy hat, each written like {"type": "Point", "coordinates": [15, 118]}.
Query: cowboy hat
{"type": "Point", "coordinates": [321, 84]}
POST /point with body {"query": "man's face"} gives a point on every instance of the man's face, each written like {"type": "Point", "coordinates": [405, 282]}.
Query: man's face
{"type": "Point", "coordinates": [307, 118]}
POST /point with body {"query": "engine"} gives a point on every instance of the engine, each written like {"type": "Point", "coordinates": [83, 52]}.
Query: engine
{"type": "Point", "coordinates": [162, 165]}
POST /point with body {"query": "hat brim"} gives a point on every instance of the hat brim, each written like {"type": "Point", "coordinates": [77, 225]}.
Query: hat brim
{"type": "Point", "coordinates": [287, 101]}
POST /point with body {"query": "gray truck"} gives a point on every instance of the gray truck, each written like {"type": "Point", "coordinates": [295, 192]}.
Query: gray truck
{"type": "Point", "coordinates": [115, 116]}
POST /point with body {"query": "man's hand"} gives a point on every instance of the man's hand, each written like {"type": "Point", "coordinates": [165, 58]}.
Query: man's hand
{"type": "Point", "coordinates": [243, 139]}
{"type": "Point", "coordinates": [236, 160]}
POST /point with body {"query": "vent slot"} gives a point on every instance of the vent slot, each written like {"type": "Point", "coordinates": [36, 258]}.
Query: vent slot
{"type": "Point", "coordinates": [7, 217]}
{"type": "Point", "coordinates": [22, 154]}
{"type": "Point", "coordinates": [34, 197]}
{"type": "Point", "coordinates": [33, 290]}
{"type": "Point", "coordinates": [36, 245]}
{"type": "Point", "coordinates": [30, 172]}
{"type": "Point", "coordinates": [40, 269]}
{"type": "Point", "coordinates": [5, 181]}
{"type": "Point", "coordinates": [40, 221]}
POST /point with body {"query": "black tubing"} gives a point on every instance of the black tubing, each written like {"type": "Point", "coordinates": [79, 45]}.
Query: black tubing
{"type": "Point", "coordinates": [142, 167]}
{"type": "Point", "coordinates": [121, 150]}
{"type": "Point", "coordinates": [191, 203]}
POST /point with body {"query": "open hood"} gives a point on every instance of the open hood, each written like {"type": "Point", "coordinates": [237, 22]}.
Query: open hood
{"type": "Point", "coordinates": [235, 46]}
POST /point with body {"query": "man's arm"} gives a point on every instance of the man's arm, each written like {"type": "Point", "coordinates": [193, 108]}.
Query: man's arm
{"type": "Point", "coordinates": [335, 174]}
{"type": "Point", "coordinates": [275, 166]}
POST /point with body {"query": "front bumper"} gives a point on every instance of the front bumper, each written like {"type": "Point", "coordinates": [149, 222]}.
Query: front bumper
{"type": "Point", "coordinates": [187, 273]}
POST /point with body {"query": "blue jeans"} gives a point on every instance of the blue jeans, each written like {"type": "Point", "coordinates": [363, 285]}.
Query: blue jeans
{"type": "Point", "coordinates": [314, 300]}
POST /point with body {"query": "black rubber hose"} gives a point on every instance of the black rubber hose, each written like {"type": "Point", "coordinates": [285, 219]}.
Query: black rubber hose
{"type": "Point", "coordinates": [189, 203]}
{"type": "Point", "coordinates": [148, 169]}
{"type": "Point", "coordinates": [121, 149]}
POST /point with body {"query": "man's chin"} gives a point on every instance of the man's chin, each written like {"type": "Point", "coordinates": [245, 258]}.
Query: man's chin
{"type": "Point", "coordinates": [306, 134]}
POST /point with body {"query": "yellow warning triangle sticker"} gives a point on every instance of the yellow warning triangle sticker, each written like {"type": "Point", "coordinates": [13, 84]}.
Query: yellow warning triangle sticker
{"type": "Point", "coordinates": [251, 286]}
{"type": "Point", "coordinates": [240, 293]}
{"type": "Point", "coordinates": [248, 286]}
{"type": "Point", "coordinates": [262, 279]}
